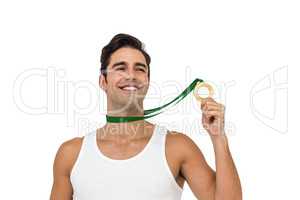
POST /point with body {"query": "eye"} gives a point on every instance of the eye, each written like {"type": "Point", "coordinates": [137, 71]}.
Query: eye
{"type": "Point", "coordinates": [141, 69]}
{"type": "Point", "coordinates": [121, 68]}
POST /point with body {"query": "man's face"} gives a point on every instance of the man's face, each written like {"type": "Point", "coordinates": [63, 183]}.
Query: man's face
{"type": "Point", "coordinates": [127, 78]}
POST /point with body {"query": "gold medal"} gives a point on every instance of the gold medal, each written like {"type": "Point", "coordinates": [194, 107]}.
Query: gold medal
{"type": "Point", "coordinates": [201, 85]}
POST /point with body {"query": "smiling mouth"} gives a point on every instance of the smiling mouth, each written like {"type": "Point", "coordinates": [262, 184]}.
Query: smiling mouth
{"type": "Point", "coordinates": [129, 88]}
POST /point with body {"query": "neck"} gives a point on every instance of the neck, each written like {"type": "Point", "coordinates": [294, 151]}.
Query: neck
{"type": "Point", "coordinates": [125, 110]}
{"type": "Point", "coordinates": [126, 129]}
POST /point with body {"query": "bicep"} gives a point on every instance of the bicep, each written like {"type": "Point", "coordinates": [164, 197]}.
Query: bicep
{"type": "Point", "coordinates": [61, 188]}
{"type": "Point", "coordinates": [198, 174]}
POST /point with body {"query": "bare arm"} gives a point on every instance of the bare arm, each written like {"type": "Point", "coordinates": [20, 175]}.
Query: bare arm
{"type": "Point", "coordinates": [228, 184]}
{"type": "Point", "coordinates": [205, 183]}
{"type": "Point", "coordinates": [64, 160]}
{"type": "Point", "coordinates": [224, 184]}
{"type": "Point", "coordinates": [198, 174]}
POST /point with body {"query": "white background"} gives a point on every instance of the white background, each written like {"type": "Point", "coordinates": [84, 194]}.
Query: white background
{"type": "Point", "coordinates": [249, 51]}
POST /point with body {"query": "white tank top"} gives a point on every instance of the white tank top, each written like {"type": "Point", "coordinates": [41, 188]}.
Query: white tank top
{"type": "Point", "coordinates": [145, 176]}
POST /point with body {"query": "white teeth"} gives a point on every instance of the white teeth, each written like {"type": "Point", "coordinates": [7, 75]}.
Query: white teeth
{"type": "Point", "coordinates": [130, 88]}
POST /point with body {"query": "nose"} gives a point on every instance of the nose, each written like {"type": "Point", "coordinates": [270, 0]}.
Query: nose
{"type": "Point", "coordinates": [130, 74]}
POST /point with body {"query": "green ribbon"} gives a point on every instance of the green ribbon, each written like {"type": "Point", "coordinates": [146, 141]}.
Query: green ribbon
{"type": "Point", "coordinates": [154, 111]}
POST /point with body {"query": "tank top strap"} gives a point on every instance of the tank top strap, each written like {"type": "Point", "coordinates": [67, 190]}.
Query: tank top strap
{"type": "Point", "coordinates": [160, 132]}
{"type": "Point", "coordinates": [87, 143]}
{"type": "Point", "coordinates": [85, 153]}
{"type": "Point", "coordinates": [158, 143]}
{"type": "Point", "coordinates": [89, 138]}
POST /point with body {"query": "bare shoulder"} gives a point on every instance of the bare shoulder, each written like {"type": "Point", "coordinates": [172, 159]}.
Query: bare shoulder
{"type": "Point", "coordinates": [71, 145]}
{"type": "Point", "coordinates": [180, 139]}
{"type": "Point", "coordinates": [182, 144]}
{"type": "Point", "coordinates": [64, 160]}
{"type": "Point", "coordinates": [67, 154]}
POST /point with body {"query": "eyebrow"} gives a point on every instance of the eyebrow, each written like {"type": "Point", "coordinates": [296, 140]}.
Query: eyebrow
{"type": "Point", "coordinates": [124, 63]}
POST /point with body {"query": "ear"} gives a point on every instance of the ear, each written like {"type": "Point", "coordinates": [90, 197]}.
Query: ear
{"type": "Point", "coordinates": [102, 82]}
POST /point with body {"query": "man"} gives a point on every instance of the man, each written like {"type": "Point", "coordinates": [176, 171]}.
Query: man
{"type": "Point", "coordinates": [138, 159]}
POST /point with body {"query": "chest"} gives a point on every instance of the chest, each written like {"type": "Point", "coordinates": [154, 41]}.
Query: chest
{"type": "Point", "coordinates": [121, 151]}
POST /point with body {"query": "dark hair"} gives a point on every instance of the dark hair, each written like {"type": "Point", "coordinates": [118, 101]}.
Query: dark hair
{"type": "Point", "coordinates": [118, 41]}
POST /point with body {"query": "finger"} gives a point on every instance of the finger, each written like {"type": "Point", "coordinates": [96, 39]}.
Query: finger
{"type": "Point", "coordinates": [211, 107]}
{"type": "Point", "coordinates": [203, 103]}
{"type": "Point", "coordinates": [213, 103]}
{"type": "Point", "coordinates": [206, 102]}
{"type": "Point", "coordinates": [210, 99]}
{"type": "Point", "coordinates": [213, 113]}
